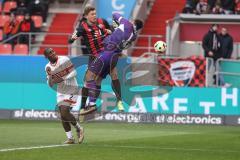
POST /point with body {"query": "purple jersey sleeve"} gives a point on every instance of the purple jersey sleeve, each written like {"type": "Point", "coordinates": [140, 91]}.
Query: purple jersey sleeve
{"type": "Point", "coordinates": [120, 19]}
{"type": "Point", "coordinates": [123, 34]}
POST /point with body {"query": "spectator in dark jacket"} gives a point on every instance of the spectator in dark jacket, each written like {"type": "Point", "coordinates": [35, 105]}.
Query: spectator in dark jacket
{"type": "Point", "coordinates": [211, 43]}
{"type": "Point", "coordinates": [27, 25]}
{"type": "Point", "coordinates": [21, 7]}
{"type": "Point", "coordinates": [227, 43]}
{"type": "Point", "coordinates": [39, 7]}
{"type": "Point", "coordinates": [190, 6]}
{"type": "Point", "coordinates": [212, 47]}
{"type": "Point", "coordinates": [227, 48]}
{"type": "Point", "coordinates": [228, 6]}
{"type": "Point", "coordinates": [211, 4]}
{"type": "Point", "coordinates": [188, 9]}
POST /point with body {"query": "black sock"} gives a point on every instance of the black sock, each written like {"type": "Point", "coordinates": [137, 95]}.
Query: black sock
{"type": "Point", "coordinates": [98, 91]}
{"type": "Point", "coordinates": [84, 97]}
{"type": "Point", "coordinates": [116, 86]}
{"type": "Point", "coordinates": [66, 126]}
{"type": "Point", "coordinates": [94, 93]}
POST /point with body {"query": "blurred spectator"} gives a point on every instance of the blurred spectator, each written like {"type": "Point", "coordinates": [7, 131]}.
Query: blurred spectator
{"type": "Point", "coordinates": [226, 51]}
{"type": "Point", "coordinates": [228, 6]}
{"type": "Point", "coordinates": [202, 7]}
{"type": "Point", "coordinates": [22, 2]}
{"type": "Point", "coordinates": [237, 6]}
{"type": "Point", "coordinates": [227, 43]}
{"type": "Point", "coordinates": [39, 7]}
{"type": "Point", "coordinates": [192, 3]}
{"type": "Point", "coordinates": [10, 28]}
{"type": "Point", "coordinates": [188, 9]}
{"type": "Point", "coordinates": [211, 4]}
{"type": "Point", "coordinates": [212, 46]}
{"type": "Point", "coordinates": [27, 25]}
{"type": "Point", "coordinates": [217, 9]}
{"type": "Point", "coordinates": [190, 6]}
{"type": "Point", "coordinates": [21, 7]}
{"type": "Point", "coordinates": [211, 43]}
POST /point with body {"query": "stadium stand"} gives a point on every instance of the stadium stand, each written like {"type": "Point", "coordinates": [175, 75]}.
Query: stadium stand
{"type": "Point", "coordinates": [156, 21]}
{"type": "Point", "coordinates": [38, 21]}
{"type": "Point", "coordinates": [62, 23]}
{"type": "Point", "coordinates": [58, 23]}
{"type": "Point", "coordinates": [3, 20]}
{"type": "Point", "coordinates": [8, 6]}
{"type": "Point", "coordinates": [5, 48]}
{"type": "Point", "coordinates": [19, 17]}
{"type": "Point", "coordinates": [211, 7]}
{"type": "Point", "coordinates": [20, 49]}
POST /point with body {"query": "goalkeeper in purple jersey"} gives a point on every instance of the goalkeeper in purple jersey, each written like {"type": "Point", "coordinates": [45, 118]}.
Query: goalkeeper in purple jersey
{"type": "Point", "coordinates": [122, 37]}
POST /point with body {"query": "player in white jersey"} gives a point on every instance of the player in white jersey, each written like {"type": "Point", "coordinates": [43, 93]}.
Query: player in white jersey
{"type": "Point", "coordinates": [60, 71]}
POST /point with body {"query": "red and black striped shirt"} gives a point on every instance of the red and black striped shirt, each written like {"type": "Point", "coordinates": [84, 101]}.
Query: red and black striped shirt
{"type": "Point", "coordinates": [93, 35]}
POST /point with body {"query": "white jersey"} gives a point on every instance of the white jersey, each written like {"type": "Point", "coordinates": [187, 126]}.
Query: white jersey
{"type": "Point", "coordinates": [67, 90]}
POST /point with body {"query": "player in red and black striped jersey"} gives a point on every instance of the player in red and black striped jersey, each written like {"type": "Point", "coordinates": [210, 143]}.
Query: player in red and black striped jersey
{"type": "Point", "coordinates": [92, 31]}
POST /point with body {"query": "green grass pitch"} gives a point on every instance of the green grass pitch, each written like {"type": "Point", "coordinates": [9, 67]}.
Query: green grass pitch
{"type": "Point", "coordinates": [119, 141]}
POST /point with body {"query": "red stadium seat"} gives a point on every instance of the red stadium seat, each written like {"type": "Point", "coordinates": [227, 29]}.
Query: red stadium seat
{"type": "Point", "coordinates": [9, 5]}
{"type": "Point", "coordinates": [20, 18]}
{"type": "Point", "coordinates": [3, 19]}
{"type": "Point", "coordinates": [20, 49]}
{"type": "Point", "coordinates": [37, 21]}
{"type": "Point", "coordinates": [1, 35]}
{"type": "Point", "coordinates": [5, 49]}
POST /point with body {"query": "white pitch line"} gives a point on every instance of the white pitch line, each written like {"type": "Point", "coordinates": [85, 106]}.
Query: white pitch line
{"type": "Point", "coordinates": [123, 146]}
{"type": "Point", "coordinates": [163, 148]}
{"type": "Point", "coordinates": [30, 148]}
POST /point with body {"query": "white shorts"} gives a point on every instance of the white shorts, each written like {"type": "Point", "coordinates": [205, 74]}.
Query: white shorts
{"type": "Point", "coordinates": [66, 99]}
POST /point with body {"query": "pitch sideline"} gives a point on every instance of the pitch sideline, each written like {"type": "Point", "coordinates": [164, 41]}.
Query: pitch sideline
{"type": "Point", "coordinates": [30, 148]}
{"type": "Point", "coordinates": [122, 146]}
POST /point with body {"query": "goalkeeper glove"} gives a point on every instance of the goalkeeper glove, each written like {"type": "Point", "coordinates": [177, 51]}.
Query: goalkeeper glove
{"type": "Point", "coordinates": [115, 24]}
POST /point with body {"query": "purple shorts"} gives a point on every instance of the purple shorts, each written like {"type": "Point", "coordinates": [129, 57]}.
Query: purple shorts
{"type": "Point", "coordinates": [103, 64]}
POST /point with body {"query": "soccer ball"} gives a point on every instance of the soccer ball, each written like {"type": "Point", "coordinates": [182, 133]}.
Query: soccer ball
{"type": "Point", "coordinates": [160, 46]}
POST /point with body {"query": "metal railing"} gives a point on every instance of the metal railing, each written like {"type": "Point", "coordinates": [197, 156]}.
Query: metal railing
{"type": "Point", "coordinates": [220, 80]}
{"type": "Point", "coordinates": [42, 35]}
{"type": "Point", "coordinates": [37, 44]}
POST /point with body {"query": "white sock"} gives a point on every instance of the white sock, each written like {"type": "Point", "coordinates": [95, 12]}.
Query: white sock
{"type": "Point", "coordinates": [69, 135]}
{"type": "Point", "coordinates": [77, 126]}
{"type": "Point", "coordinates": [92, 103]}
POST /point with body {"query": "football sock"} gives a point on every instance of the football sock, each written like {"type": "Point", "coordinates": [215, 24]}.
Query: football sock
{"type": "Point", "coordinates": [77, 126]}
{"type": "Point", "coordinates": [71, 119]}
{"type": "Point", "coordinates": [69, 135]}
{"type": "Point", "coordinates": [63, 112]}
{"type": "Point", "coordinates": [92, 91]}
{"type": "Point", "coordinates": [84, 97]}
{"type": "Point", "coordinates": [96, 95]}
{"type": "Point", "coordinates": [67, 118]}
{"type": "Point", "coordinates": [116, 86]}
{"type": "Point", "coordinates": [66, 125]}
{"type": "Point", "coordinates": [98, 91]}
